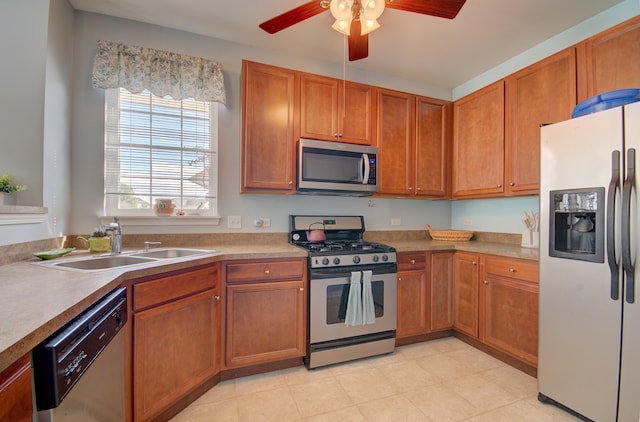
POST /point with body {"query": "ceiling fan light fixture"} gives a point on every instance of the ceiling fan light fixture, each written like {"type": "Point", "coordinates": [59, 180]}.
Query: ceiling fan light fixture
{"type": "Point", "coordinates": [369, 26]}
{"type": "Point", "coordinates": [372, 9]}
{"type": "Point", "coordinates": [342, 26]}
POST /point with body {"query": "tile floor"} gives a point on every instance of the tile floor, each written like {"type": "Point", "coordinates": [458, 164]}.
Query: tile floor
{"type": "Point", "coordinates": [441, 380]}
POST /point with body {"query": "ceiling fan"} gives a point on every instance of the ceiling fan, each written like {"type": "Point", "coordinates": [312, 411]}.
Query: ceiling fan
{"type": "Point", "coordinates": [351, 14]}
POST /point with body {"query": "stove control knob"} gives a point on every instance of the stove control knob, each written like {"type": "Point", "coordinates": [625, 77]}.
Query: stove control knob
{"type": "Point", "coordinates": [385, 258]}
{"type": "Point", "coordinates": [376, 258]}
{"type": "Point", "coordinates": [325, 261]}
{"type": "Point", "coordinates": [356, 259]}
{"type": "Point", "coordinates": [336, 261]}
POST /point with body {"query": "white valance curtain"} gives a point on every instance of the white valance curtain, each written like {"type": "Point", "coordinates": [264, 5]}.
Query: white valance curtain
{"type": "Point", "coordinates": [163, 73]}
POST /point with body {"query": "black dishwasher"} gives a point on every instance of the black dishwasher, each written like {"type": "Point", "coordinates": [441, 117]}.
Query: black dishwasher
{"type": "Point", "coordinates": [78, 372]}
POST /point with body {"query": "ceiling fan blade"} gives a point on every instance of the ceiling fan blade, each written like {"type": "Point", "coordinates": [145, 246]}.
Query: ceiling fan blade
{"type": "Point", "coordinates": [358, 44]}
{"type": "Point", "coordinates": [441, 8]}
{"type": "Point", "coordinates": [292, 17]}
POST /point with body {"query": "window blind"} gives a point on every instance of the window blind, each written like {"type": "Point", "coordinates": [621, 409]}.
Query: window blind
{"type": "Point", "coordinates": [159, 148]}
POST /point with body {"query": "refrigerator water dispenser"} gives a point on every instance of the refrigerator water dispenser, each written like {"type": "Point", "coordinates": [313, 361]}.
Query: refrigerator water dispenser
{"type": "Point", "coordinates": [577, 224]}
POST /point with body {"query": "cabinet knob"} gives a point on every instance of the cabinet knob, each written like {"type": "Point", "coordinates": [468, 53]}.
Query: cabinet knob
{"type": "Point", "coordinates": [499, 185]}
{"type": "Point", "coordinates": [399, 278]}
{"type": "Point", "coordinates": [290, 182]}
{"type": "Point", "coordinates": [267, 272]}
{"type": "Point", "coordinates": [511, 184]}
{"type": "Point", "coordinates": [512, 270]}
{"type": "Point", "coordinates": [216, 297]}
{"type": "Point", "coordinates": [413, 261]}
{"type": "Point", "coordinates": [474, 263]}
{"type": "Point", "coordinates": [410, 187]}
{"type": "Point", "coordinates": [419, 189]}
{"type": "Point", "coordinates": [302, 289]}
{"type": "Point", "coordinates": [485, 282]}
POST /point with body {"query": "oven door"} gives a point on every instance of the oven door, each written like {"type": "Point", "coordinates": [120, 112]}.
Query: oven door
{"type": "Point", "coordinates": [328, 297]}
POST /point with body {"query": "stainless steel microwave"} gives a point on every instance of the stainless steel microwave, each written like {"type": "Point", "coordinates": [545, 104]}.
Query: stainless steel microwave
{"type": "Point", "coordinates": [334, 168]}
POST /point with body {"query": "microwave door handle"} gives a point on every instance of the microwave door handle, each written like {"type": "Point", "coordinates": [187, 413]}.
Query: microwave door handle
{"type": "Point", "coordinates": [366, 166]}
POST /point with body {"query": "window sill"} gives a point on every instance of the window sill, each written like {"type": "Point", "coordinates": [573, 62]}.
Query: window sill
{"type": "Point", "coordinates": [185, 220]}
{"type": "Point", "coordinates": [19, 214]}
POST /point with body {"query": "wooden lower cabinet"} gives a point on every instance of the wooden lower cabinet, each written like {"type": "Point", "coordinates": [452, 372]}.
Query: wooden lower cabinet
{"type": "Point", "coordinates": [413, 295]}
{"type": "Point", "coordinates": [176, 339]}
{"type": "Point", "coordinates": [424, 293]}
{"type": "Point", "coordinates": [509, 307]}
{"type": "Point", "coordinates": [441, 291]}
{"type": "Point", "coordinates": [465, 293]}
{"type": "Point", "coordinates": [265, 312]}
{"type": "Point", "coordinates": [15, 392]}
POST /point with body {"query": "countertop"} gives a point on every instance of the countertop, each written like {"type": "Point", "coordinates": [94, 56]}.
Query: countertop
{"type": "Point", "coordinates": [36, 301]}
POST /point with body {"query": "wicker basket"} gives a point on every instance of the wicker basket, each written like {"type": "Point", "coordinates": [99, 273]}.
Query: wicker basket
{"type": "Point", "coordinates": [449, 234]}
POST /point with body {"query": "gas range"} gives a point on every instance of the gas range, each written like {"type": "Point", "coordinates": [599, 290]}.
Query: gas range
{"type": "Point", "coordinates": [344, 244]}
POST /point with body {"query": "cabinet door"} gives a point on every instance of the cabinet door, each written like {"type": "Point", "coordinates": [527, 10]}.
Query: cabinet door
{"type": "Point", "coordinates": [441, 291]}
{"type": "Point", "coordinates": [357, 113]}
{"type": "Point", "coordinates": [319, 107]}
{"type": "Point", "coordinates": [268, 132]}
{"type": "Point", "coordinates": [465, 293]}
{"type": "Point", "coordinates": [510, 317]}
{"type": "Point", "coordinates": [432, 147]}
{"type": "Point", "coordinates": [543, 93]}
{"type": "Point", "coordinates": [176, 348]}
{"type": "Point", "coordinates": [265, 322]}
{"type": "Point", "coordinates": [413, 295]}
{"type": "Point", "coordinates": [609, 60]}
{"type": "Point", "coordinates": [478, 143]}
{"type": "Point", "coordinates": [15, 392]}
{"type": "Point", "coordinates": [395, 142]}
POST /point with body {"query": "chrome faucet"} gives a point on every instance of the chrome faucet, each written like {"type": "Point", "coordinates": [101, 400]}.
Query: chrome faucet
{"type": "Point", "coordinates": [147, 245]}
{"type": "Point", "coordinates": [116, 235]}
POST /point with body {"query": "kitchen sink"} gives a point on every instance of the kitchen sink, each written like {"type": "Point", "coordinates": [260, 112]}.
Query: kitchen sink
{"type": "Point", "coordinates": [168, 253]}
{"type": "Point", "coordinates": [101, 262]}
{"type": "Point", "coordinates": [110, 262]}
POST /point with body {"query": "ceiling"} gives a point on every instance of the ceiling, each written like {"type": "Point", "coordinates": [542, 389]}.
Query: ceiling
{"type": "Point", "coordinates": [435, 51]}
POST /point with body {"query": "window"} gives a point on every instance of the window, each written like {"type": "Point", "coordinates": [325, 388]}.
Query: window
{"type": "Point", "coordinates": [159, 148]}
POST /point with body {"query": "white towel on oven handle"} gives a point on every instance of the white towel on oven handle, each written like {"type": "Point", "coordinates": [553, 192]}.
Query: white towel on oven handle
{"type": "Point", "coordinates": [354, 303]}
{"type": "Point", "coordinates": [368, 307]}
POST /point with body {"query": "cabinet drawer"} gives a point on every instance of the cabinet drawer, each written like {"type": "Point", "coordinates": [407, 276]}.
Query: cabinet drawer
{"type": "Point", "coordinates": [411, 261]}
{"type": "Point", "coordinates": [265, 271]}
{"type": "Point", "coordinates": [512, 268]}
{"type": "Point", "coordinates": [149, 293]}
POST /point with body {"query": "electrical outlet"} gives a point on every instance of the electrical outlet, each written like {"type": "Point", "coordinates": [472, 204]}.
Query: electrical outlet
{"type": "Point", "coordinates": [467, 222]}
{"type": "Point", "coordinates": [395, 221]}
{"type": "Point", "coordinates": [266, 222]}
{"type": "Point", "coordinates": [234, 222]}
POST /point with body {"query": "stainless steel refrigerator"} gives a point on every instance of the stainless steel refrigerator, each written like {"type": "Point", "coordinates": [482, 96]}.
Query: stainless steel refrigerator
{"type": "Point", "coordinates": [589, 316]}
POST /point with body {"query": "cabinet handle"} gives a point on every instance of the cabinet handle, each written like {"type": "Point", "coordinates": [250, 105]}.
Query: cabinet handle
{"type": "Point", "coordinates": [419, 189]}
{"type": "Point", "coordinates": [499, 185]}
{"type": "Point", "coordinates": [267, 272]}
{"type": "Point", "coordinates": [512, 270]}
{"type": "Point", "coordinates": [290, 182]}
{"type": "Point", "coordinates": [336, 135]}
{"type": "Point", "coordinates": [413, 261]}
{"type": "Point", "coordinates": [511, 184]}
{"type": "Point", "coordinates": [474, 263]}
{"type": "Point", "coordinates": [399, 278]}
{"type": "Point", "coordinates": [302, 289]}
{"type": "Point", "coordinates": [216, 297]}
{"type": "Point", "coordinates": [410, 187]}
{"type": "Point", "coordinates": [485, 282]}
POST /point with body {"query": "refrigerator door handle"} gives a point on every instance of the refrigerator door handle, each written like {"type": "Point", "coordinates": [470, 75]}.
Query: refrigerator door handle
{"type": "Point", "coordinates": [614, 187]}
{"type": "Point", "coordinates": [627, 262]}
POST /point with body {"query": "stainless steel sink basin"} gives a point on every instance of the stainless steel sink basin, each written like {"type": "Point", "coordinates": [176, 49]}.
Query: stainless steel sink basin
{"type": "Point", "coordinates": [101, 262]}
{"type": "Point", "coordinates": [110, 262]}
{"type": "Point", "coordinates": [168, 253]}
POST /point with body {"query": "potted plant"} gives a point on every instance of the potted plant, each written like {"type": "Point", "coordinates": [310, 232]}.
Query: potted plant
{"type": "Point", "coordinates": [98, 241]}
{"type": "Point", "coordinates": [7, 188]}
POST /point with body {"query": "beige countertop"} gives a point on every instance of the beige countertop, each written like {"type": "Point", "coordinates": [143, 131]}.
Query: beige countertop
{"type": "Point", "coordinates": [36, 301]}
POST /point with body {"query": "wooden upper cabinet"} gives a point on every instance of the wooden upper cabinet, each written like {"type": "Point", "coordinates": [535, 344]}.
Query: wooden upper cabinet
{"type": "Point", "coordinates": [609, 60]}
{"type": "Point", "coordinates": [335, 110]}
{"type": "Point", "coordinates": [432, 147]}
{"type": "Point", "coordinates": [269, 96]}
{"type": "Point", "coordinates": [395, 142]}
{"type": "Point", "coordinates": [542, 93]}
{"type": "Point", "coordinates": [478, 143]}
